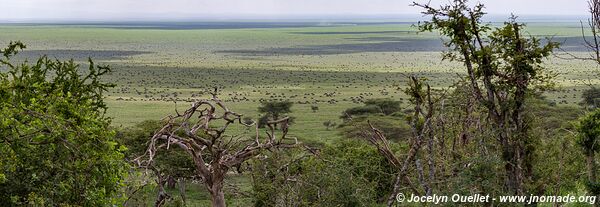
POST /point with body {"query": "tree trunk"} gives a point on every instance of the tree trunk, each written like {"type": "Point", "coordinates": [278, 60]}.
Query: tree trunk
{"type": "Point", "coordinates": [591, 170]}
{"type": "Point", "coordinates": [162, 196]}
{"type": "Point", "coordinates": [215, 187]}
{"type": "Point", "coordinates": [171, 182]}
{"type": "Point", "coordinates": [511, 165]}
{"type": "Point", "coordinates": [217, 197]}
{"type": "Point", "coordinates": [421, 177]}
{"type": "Point", "coordinates": [182, 183]}
{"type": "Point", "coordinates": [397, 182]}
{"type": "Point", "coordinates": [591, 165]}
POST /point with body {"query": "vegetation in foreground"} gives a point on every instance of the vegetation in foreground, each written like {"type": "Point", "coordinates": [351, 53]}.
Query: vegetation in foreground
{"type": "Point", "coordinates": [493, 133]}
{"type": "Point", "coordinates": [57, 148]}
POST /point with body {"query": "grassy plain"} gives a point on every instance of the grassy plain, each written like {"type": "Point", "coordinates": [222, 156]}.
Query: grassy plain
{"type": "Point", "coordinates": [332, 66]}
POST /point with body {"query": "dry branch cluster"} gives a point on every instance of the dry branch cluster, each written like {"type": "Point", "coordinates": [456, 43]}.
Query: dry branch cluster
{"type": "Point", "coordinates": [422, 131]}
{"type": "Point", "coordinates": [214, 153]}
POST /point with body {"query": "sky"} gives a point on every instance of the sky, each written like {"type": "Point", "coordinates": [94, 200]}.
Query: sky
{"type": "Point", "coordinates": [127, 10]}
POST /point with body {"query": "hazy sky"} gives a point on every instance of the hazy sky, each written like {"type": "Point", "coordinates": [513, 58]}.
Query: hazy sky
{"type": "Point", "coordinates": [23, 10]}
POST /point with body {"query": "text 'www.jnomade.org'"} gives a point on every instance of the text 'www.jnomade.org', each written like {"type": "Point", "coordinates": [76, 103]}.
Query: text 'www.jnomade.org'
{"type": "Point", "coordinates": [479, 198]}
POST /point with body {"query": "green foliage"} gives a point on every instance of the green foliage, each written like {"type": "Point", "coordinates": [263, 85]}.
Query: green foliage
{"type": "Point", "coordinates": [589, 132]}
{"type": "Point", "coordinates": [360, 111]}
{"type": "Point", "coordinates": [135, 137]}
{"type": "Point", "coordinates": [386, 106]}
{"type": "Point", "coordinates": [509, 69]}
{"type": "Point", "coordinates": [503, 54]}
{"type": "Point", "coordinates": [56, 146]}
{"type": "Point", "coordinates": [472, 167]}
{"type": "Point", "coordinates": [273, 110]}
{"type": "Point", "coordinates": [347, 173]}
{"type": "Point", "coordinates": [519, 59]}
{"type": "Point", "coordinates": [363, 165]}
{"type": "Point", "coordinates": [393, 127]}
{"type": "Point", "coordinates": [477, 173]}
{"type": "Point", "coordinates": [558, 153]}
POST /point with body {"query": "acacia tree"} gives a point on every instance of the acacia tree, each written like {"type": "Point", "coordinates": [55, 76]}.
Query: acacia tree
{"type": "Point", "coordinates": [385, 105]}
{"type": "Point", "coordinates": [502, 69]}
{"type": "Point", "coordinates": [274, 110]}
{"type": "Point", "coordinates": [56, 146]}
{"type": "Point", "coordinates": [213, 152]}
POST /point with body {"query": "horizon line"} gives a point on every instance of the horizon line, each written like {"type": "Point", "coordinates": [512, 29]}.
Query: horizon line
{"type": "Point", "coordinates": [282, 18]}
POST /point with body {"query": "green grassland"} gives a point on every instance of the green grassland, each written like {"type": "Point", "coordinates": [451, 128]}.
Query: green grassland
{"type": "Point", "coordinates": [334, 67]}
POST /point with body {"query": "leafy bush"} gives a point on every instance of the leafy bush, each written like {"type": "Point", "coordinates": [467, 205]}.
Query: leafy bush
{"type": "Point", "coordinates": [56, 146]}
{"type": "Point", "coordinates": [360, 111]}
{"type": "Point", "coordinates": [383, 106]}
{"type": "Point", "coordinates": [347, 173]}
{"type": "Point", "coordinates": [589, 132]}
{"type": "Point", "coordinates": [393, 127]}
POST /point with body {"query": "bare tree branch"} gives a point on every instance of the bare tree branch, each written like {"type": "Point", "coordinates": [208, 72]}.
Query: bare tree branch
{"type": "Point", "coordinates": [213, 154]}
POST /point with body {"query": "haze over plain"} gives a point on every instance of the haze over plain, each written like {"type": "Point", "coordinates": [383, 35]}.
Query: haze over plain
{"type": "Point", "coordinates": [186, 10]}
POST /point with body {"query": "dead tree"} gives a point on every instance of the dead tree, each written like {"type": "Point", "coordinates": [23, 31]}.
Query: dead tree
{"type": "Point", "coordinates": [594, 24]}
{"type": "Point", "coordinates": [590, 42]}
{"type": "Point", "coordinates": [200, 131]}
{"type": "Point", "coordinates": [422, 131]}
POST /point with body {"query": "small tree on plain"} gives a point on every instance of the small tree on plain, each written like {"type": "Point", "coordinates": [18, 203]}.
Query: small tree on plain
{"type": "Point", "coordinates": [273, 110]}
{"type": "Point", "coordinates": [385, 105]}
